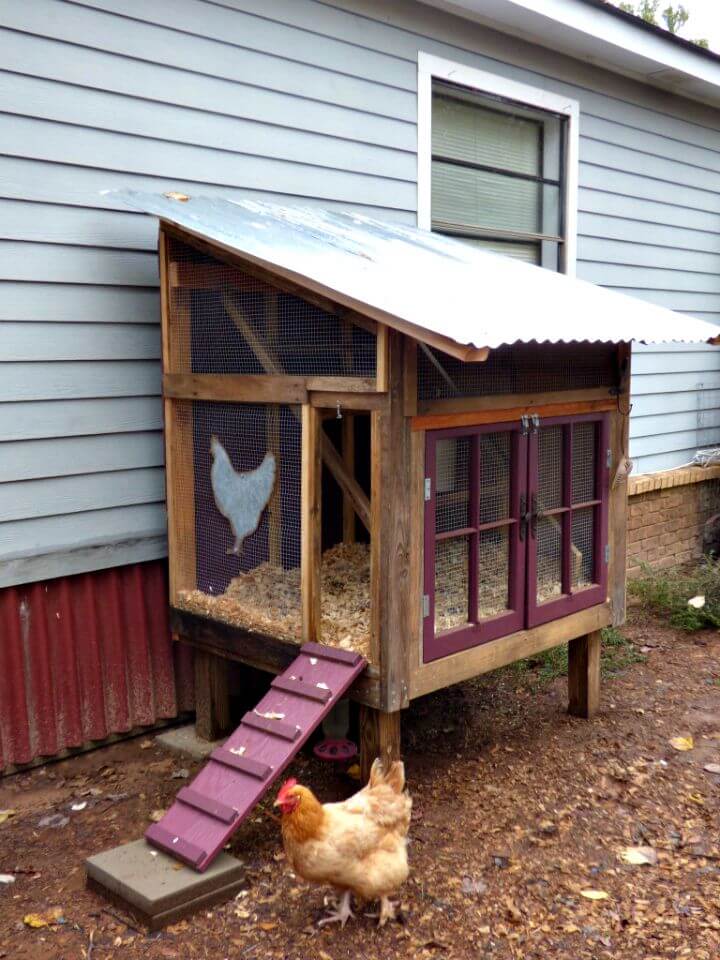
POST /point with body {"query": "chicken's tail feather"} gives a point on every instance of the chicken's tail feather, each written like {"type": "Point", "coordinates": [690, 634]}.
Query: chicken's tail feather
{"type": "Point", "coordinates": [394, 776]}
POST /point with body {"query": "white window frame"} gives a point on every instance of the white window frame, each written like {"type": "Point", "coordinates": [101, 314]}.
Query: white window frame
{"type": "Point", "coordinates": [480, 81]}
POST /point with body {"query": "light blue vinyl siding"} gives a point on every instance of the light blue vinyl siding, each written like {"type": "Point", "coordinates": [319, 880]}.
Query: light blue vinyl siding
{"type": "Point", "coordinates": [298, 100]}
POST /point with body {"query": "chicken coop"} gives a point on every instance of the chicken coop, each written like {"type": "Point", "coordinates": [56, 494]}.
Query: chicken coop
{"type": "Point", "coordinates": [387, 442]}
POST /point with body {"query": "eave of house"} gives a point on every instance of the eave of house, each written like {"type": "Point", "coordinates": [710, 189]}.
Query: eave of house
{"type": "Point", "coordinates": [596, 32]}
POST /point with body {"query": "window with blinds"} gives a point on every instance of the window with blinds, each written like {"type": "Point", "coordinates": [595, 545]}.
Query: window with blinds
{"type": "Point", "coordinates": [497, 175]}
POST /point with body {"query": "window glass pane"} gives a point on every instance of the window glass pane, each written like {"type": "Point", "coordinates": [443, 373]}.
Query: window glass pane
{"type": "Point", "coordinates": [527, 252]}
{"type": "Point", "coordinates": [549, 558]}
{"type": "Point", "coordinates": [583, 467]}
{"type": "Point", "coordinates": [493, 572]}
{"type": "Point", "coordinates": [464, 130]}
{"type": "Point", "coordinates": [583, 547]}
{"type": "Point", "coordinates": [550, 468]}
{"type": "Point", "coordinates": [478, 198]}
{"type": "Point", "coordinates": [451, 583]}
{"type": "Point", "coordinates": [452, 471]}
{"type": "Point", "coordinates": [495, 455]}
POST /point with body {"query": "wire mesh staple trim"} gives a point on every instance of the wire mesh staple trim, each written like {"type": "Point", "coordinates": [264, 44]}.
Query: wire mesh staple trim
{"type": "Point", "coordinates": [523, 368]}
{"type": "Point", "coordinates": [238, 324]}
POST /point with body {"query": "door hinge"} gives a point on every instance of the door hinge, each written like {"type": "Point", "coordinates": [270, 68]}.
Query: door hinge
{"type": "Point", "coordinates": [608, 458]}
{"type": "Point", "coordinates": [428, 488]}
{"type": "Point", "coordinates": [607, 553]}
{"type": "Point", "coordinates": [426, 605]}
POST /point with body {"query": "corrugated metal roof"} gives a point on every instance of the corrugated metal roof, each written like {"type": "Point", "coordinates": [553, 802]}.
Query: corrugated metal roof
{"type": "Point", "coordinates": [421, 282]}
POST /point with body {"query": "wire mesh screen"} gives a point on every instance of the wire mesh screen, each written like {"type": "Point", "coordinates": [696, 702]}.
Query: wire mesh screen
{"type": "Point", "coordinates": [451, 583]}
{"type": "Point", "coordinates": [493, 570]}
{"type": "Point", "coordinates": [549, 558]}
{"type": "Point", "coordinates": [583, 465]}
{"type": "Point", "coordinates": [227, 321]}
{"type": "Point", "coordinates": [550, 468]}
{"type": "Point", "coordinates": [495, 457]}
{"type": "Point", "coordinates": [452, 484]}
{"type": "Point", "coordinates": [522, 368]}
{"type": "Point", "coordinates": [246, 467]}
{"type": "Point", "coordinates": [583, 541]}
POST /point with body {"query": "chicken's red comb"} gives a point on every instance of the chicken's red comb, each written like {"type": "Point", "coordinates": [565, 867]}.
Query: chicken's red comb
{"type": "Point", "coordinates": [286, 787]}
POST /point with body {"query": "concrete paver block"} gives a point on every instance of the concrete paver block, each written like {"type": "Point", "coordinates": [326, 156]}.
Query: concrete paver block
{"type": "Point", "coordinates": [157, 889]}
{"type": "Point", "coordinates": [185, 741]}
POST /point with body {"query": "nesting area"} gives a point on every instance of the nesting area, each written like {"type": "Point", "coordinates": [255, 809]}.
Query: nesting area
{"type": "Point", "coordinates": [267, 600]}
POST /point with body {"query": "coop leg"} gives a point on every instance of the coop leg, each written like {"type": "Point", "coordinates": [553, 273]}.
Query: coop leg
{"type": "Point", "coordinates": [379, 737]}
{"type": "Point", "coordinates": [584, 675]}
{"type": "Point", "coordinates": [212, 696]}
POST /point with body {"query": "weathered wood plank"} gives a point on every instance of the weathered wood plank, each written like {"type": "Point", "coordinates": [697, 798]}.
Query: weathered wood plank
{"type": "Point", "coordinates": [235, 387]}
{"type": "Point", "coordinates": [310, 520]}
{"type": "Point", "coordinates": [439, 421]}
{"type": "Point", "coordinates": [212, 696]}
{"type": "Point", "coordinates": [584, 675]}
{"type": "Point", "coordinates": [380, 736]}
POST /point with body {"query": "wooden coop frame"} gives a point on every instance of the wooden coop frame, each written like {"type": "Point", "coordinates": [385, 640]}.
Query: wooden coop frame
{"type": "Point", "coordinates": [395, 513]}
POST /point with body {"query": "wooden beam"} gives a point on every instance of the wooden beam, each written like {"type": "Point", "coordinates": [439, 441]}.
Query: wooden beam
{"type": "Point", "coordinates": [256, 650]}
{"type": "Point", "coordinates": [584, 675]}
{"type": "Point", "coordinates": [499, 401]}
{"type": "Point", "coordinates": [382, 372]}
{"type": "Point", "coordinates": [498, 653]}
{"type": "Point", "coordinates": [410, 388]}
{"type": "Point", "coordinates": [310, 525]}
{"type": "Point", "coordinates": [348, 484]}
{"type": "Point", "coordinates": [348, 401]}
{"type": "Point", "coordinates": [176, 320]}
{"type": "Point", "coordinates": [212, 696]}
{"type": "Point", "coordinates": [235, 387]}
{"type": "Point", "coordinates": [390, 536]}
{"type": "Point", "coordinates": [348, 455]}
{"type": "Point", "coordinates": [380, 736]}
{"type": "Point", "coordinates": [618, 504]}
{"type": "Point", "coordinates": [440, 421]}
{"type": "Point", "coordinates": [364, 385]}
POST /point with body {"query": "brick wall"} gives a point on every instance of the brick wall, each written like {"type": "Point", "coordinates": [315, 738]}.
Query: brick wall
{"type": "Point", "coordinates": [667, 513]}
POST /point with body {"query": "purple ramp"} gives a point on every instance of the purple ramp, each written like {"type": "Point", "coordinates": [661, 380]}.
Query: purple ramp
{"type": "Point", "coordinates": [206, 813]}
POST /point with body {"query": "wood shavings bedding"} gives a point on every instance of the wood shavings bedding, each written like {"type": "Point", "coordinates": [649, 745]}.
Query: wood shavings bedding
{"type": "Point", "coordinates": [267, 600]}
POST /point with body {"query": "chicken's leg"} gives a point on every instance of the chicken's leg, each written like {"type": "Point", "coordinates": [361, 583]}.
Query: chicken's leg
{"type": "Point", "coordinates": [342, 914]}
{"type": "Point", "coordinates": [388, 911]}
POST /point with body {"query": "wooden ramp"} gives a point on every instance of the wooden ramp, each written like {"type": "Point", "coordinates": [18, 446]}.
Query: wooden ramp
{"type": "Point", "coordinates": [208, 811]}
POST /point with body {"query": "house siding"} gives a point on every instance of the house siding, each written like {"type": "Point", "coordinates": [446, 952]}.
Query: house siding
{"type": "Point", "coordinates": [296, 100]}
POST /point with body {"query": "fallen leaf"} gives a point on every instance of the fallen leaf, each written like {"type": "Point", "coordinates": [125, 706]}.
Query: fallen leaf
{"type": "Point", "coordinates": [77, 807]}
{"type": "Point", "coordinates": [270, 715]}
{"type": "Point", "coordinates": [146, 744]}
{"type": "Point", "coordinates": [682, 743]}
{"type": "Point", "coordinates": [513, 913]}
{"type": "Point", "coordinates": [267, 926]}
{"type": "Point", "coordinates": [34, 920]}
{"type": "Point", "coordinates": [639, 856]}
{"type": "Point", "coordinates": [157, 815]}
{"type": "Point", "coordinates": [54, 820]}
{"type": "Point", "coordinates": [7, 878]}
{"type": "Point", "coordinates": [712, 767]}
{"type": "Point", "coordinates": [594, 894]}
{"type": "Point", "coordinates": [696, 798]}
{"type": "Point", "coordinates": [6, 814]}
{"type": "Point", "coordinates": [175, 195]}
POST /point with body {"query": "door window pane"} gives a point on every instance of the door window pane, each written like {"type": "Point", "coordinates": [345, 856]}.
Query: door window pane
{"type": "Point", "coordinates": [550, 468]}
{"type": "Point", "coordinates": [493, 572]}
{"type": "Point", "coordinates": [452, 473]}
{"type": "Point", "coordinates": [495, 466]}
{"type": "Point", "coordinates": [451, 583]}
{"type": "Point", "coordinates": [583, 467]}
{"type": "Point", "coordinates": [549, 558]}
{"type": "Point", "coordinates": [583, 547]}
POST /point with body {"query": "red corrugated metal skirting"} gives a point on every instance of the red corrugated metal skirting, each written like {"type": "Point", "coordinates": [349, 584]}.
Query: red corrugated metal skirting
{"type": "Point", "coordinates": [85, 657]}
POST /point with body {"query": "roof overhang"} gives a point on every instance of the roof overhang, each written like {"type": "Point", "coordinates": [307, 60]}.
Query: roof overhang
{"type": "Point", "coordinates": [460, 299]}
{"type": "Point", "coordinates": [595, 32]}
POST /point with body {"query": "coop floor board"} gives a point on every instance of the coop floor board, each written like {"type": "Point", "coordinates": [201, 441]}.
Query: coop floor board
{"type": "Point", "coordinates": [208, 811]}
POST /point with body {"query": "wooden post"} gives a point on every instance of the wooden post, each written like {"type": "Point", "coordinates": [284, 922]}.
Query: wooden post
{"type": "Point", "coordinates": [348, 455]}
{"type": "Point", "coordinates": [310, 557]}
{"type": "Point", "coordinates": [379, 737]}
{"type": "Point", "coordinates": [584, 675]}
{"type": "Point", "coordinates": [212, 696]}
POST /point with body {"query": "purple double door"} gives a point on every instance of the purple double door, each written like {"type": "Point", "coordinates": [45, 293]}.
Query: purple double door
{"type": "Point", "coordinates": [515, 527]}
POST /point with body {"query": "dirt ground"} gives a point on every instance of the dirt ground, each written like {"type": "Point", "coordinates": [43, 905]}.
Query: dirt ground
{"type": "Point", "coordinates": [519, 812]}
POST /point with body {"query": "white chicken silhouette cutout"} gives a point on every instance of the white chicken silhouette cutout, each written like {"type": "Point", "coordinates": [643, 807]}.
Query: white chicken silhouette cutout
{"type": "Point", "coordinates": [240, 497]}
